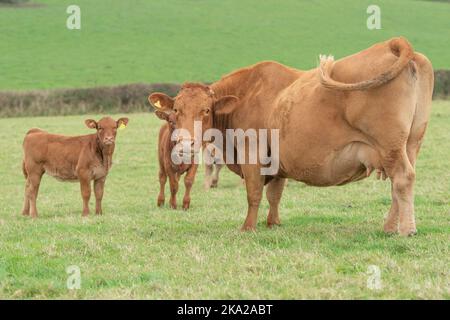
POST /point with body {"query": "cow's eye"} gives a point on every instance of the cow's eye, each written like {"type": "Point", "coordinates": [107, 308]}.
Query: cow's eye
{"type": "Point", "coordinates": [175, 110]}
{"type": "Point", "coordinates": [206, 111]}
{"type": "Point", "coordinates": [100, 129]}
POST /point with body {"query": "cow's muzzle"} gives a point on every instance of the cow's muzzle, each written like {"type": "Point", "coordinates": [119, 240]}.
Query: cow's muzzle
{"type": "Point", "coordinates": [187, 148]}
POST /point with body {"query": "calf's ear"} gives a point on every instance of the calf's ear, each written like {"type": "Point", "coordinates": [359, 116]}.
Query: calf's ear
{"type": "Point", "coordinates": [225, 105]}
{"type": "Point", "coordinates": [160, 101]}
{"type": "Point", "coordinates": [91, 124]}
{"type": "Point", "coordinates": [122, 122]}
{"type": "Point", "coordinates": [163, 115]}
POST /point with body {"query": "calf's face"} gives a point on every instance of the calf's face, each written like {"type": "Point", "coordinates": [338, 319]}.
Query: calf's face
{"type": "Point", "coordinates": [194, 102]}
{"type": "Point", "coordinates": [106, 129]}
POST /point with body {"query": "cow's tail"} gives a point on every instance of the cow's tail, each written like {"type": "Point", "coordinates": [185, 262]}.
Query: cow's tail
{"type": "Point", "coordinates": [24, 170]}
{"type": "Point", "coordinates": [399, 46]}
{"type": "Point", "coordinates": [33, 130]}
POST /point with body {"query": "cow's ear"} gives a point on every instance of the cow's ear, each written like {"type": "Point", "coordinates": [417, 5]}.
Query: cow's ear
{"type": "Point", "coordinates": [91, 124]}
{"type": "Point", "coordinates": [160, 101]}
{"type": "Point", "coordinates": [122, 122]}
{"type": "Point", "coordinates": [225, 105]}
{"type": "Point", "coordinates": [163, 115]}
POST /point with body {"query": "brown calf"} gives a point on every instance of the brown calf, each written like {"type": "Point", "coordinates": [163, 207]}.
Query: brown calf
{"type": "Point", "coordinates": [82, 158]}
{"type": "Point", "coordinates": [168, 169]}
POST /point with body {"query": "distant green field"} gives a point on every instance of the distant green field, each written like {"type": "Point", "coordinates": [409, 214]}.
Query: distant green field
{"type": "Point", "coordinates": [198, 40]}
{"type": "Point", "coordinates": [328, 239]}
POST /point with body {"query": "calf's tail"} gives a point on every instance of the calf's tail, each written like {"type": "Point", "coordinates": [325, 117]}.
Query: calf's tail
{"type": "Point", "coordinates": [33, 130]}
{"type": "Point", "coordinates": [24, 170]}
{"type": "Point", "coordinates": [399, 46]}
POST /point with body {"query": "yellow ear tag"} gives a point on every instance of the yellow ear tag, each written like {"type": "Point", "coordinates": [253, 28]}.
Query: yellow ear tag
{"type": "Point", "coordinates": [157, 104]}
{"type": "Point", "coordinates": [122, 126]}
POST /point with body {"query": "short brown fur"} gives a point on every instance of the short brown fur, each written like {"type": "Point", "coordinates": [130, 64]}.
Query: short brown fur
{"type": "Point", "coordinates": [81, 158]}
{"type": "Point", "coordinates": [336, 126]}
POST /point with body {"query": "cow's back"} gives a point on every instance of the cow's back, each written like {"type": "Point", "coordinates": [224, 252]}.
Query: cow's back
{"type": "Point", "coordinates": [57, 155]}
{"type": "Point", "coordinates": [320, 126]}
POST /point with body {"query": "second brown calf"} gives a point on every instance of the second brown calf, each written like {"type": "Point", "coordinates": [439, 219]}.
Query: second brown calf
{"type": "Point", "coordinates": [167, 169]}
{"type": "Point", "coordinates": [82, 158]}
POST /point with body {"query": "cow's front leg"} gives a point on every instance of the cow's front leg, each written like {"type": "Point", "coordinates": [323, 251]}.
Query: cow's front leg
{"type": "Point", "coordinates": [188, 182]}
{"type": "Point", "coordinates": [85, 187]}
{"type": "Point", "coordinates": [273, 193]}
{"type": "Point", "coordinates": [162, 185]}
{"type": "Point", "coordinates": [254, 183]}
{"type": "Point", "coordinates": [99, 186]}
{"type": "Point", "coordinates": [173, 182]}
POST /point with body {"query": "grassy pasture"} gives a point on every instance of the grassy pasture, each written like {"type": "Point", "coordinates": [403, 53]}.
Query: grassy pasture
{"type": "Point", "coordinates": [329, 236]}
{"type": "Point", "coordinates": [198, 40]}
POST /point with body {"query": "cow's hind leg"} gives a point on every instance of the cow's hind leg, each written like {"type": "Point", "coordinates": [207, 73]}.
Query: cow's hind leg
{"type": "Point", "coordinates": [215, 178]}
{"type": "Point", "coordinates": [208, 175]}
{"type": "Point", "coordinates": [254, 183]}
{"type": "Point", "coordinates": [26, 202]}
{"type": "Point", "coordinates": [85, 187]}
{"type": "Point", "coordinates": [273, 193]}
{"type": "Point", "coordinates": [32, 189]}
{"type": "Point", "coordinates": [402, 176]}
{"type": "Point", "coordinates": [391, 221]}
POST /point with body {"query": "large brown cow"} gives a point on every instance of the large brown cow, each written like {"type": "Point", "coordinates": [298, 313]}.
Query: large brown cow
{"type": "Point", "coordinates": [337, 123]}
{"type": "Point", "coordinates": [82, 158]}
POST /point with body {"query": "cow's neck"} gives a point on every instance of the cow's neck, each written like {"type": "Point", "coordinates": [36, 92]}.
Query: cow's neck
{"type": "Point", "coordinates": [105, 154]}
{"type": "Point", "coordinates": [236, 84]}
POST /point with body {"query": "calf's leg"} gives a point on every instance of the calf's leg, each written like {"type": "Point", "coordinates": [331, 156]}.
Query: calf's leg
{"type": "Point", "coordinates": [33, 183]}
{"type": "Point", "coordinates": [162, 185]}
{"type": "Point", "coordinates": [173, 182]}
{"type": "Point", "coordinates": [273, 193]}
{"type": "Point", "coordinates": [99, 186]}
{"type": "Point", "coordinates": [85, 187]}
{"type": "Point", "coordinates": [188, 182]}
{"type": "Point", "coordinates": [26, 202]}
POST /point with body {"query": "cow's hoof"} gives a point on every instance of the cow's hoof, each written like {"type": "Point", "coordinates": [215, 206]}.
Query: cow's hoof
{"type": "Point", "coordinates": [160, 203]}
{"type": "Point", "coordinates": [408, 232]}
{"type": "Point", "coordinates": [245, 228]}
{"type": "Point", "coordinates": [185, 206]}
{"type": "Point", "coordinates": [272, 225]}
{"type": "Point", "coordinates": [390, 229]}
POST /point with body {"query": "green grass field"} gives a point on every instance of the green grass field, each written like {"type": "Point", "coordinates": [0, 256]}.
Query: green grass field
{"type": "Point", "coordinates": [198, 40]}
{"type": "Point", "coordinates": [329, 236]}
